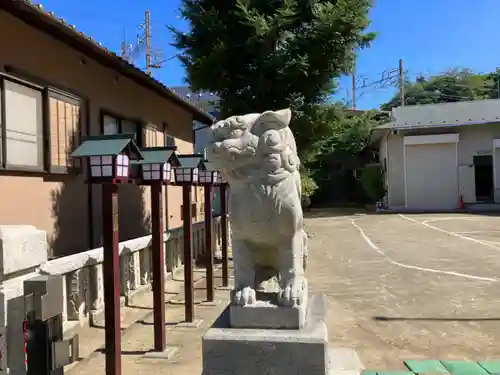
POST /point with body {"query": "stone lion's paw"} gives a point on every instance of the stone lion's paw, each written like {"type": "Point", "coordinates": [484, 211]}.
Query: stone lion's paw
{"type": "Point", "coordinates": [292, 294]}
{"type": "Point", "coordinates": [245, 296]}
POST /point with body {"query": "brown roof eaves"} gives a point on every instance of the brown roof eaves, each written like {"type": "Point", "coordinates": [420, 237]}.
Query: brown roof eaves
{"type": "Point", "coordinates": [34, 15]}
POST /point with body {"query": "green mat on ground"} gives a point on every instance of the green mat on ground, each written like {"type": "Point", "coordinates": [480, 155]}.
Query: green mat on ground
{"type": "Point", "coordinates": [395, 373]}
{"type": "Point", "coordinates": [493, 367]}
{"type": "Point", "coordinates": [426, 366]}
{"type": "Point", "coordinates": [369, 372]}
{"type": "Point", "coordinates": [464, 368]}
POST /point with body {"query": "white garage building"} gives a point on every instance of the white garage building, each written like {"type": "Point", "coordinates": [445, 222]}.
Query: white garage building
{"type": "Point", "coordinates": [435, 154]}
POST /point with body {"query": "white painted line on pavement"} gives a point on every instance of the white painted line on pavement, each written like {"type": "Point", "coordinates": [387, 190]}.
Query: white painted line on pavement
{"type": "Point", "coordinates": [477, 231]}
{"type": "Point", "coordinates": [425, 224]}
{"type": "Point", "coordinates": [403, 265]}
{"type": "Point", "coordinates": [448, 218]}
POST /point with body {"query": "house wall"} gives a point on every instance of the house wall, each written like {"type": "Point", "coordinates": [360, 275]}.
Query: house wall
{"type": "Point", "coordinates": [383, 160]}
{"type": "Point", "coordinates": [477, 140]}
{"type": "Point", "coordinates": [473, 140]}
{"type": "Point", "coordinates": [396, 191]}
{"type": "Point", "coordinates": [58, 203]}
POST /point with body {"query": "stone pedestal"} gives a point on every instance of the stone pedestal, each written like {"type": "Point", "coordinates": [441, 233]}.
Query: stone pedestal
{"type": "Point", "coordinates": [265, 313]}
{"type": "Point", "coordinates": [247, 351]}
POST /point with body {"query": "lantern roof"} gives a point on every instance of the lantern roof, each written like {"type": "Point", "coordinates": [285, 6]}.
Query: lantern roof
{"type": "Point", "coordinates": [191, 161]}
{"type": "Point", "coordinates": [209, 166]}
{"type": "Point", "coordinates": [108, 145]}
{"type": "Point", "coordinates": [158, 155]}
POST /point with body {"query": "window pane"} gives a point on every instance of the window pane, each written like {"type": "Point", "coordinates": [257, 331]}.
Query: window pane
{"type": "Point", "coordinates": [64, 114]}
{"type": "Point", "coordinates": [23, 112]}
{"type": "Point", "coordinates": [169, 141]}
{"type": "Point", "coordinates": [110, 125]}
{"type": "Point", "coordinates": [129, 127]}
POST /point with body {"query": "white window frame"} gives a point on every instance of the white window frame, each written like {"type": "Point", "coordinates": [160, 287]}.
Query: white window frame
{"type": "Point", "coordinates": [4, 108]}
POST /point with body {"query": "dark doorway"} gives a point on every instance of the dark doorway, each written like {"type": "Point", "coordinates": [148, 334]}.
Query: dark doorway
{"type": "Point", "coordinates": [483, 174]}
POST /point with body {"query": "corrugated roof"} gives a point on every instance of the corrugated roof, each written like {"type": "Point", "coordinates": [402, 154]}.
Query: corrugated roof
{"type": "Point", "coordinates": [106, 145]}
{"type": "Point", "coordinates": [36, 16]}
{"type": "Point", "coordinates": [445, 114]}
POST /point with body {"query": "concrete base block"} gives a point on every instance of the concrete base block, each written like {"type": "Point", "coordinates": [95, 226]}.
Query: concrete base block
{"type": "Point", "coordinates": [194, 324]}
{"type": "Point", "coordinates": [258, 351]}
{"type": "Point", "coordinates": [168, 353]}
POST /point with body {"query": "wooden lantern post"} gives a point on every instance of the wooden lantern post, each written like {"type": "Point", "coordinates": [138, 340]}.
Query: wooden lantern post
{"type": "Point", "coordinates": [156, 172]}
{"type": "Point", "coordinates": [186, 175]}
{"type": "Point", "coordinates": [207, 178]}
{"type": "Point", "coordinates": [108, 158]}
{"type": "Point", "coordinates": [224, 234]}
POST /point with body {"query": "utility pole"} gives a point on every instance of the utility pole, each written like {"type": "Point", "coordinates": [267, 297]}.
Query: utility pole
{"type": "Point", "coordinates": [401, 83]}
{"type": "Point", "coordinates": [143, 45]}
{"type": "Point", "coordinates": [147, 29]}
{"type": "Point", "coordinates": [354, 87]}
{"type": "Point", "coordinates": [125, 50]}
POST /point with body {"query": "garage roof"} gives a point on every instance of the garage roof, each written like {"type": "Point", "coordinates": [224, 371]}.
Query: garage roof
{"type": "Point", "coordinates": [34, 15]}
{"type": "Point", "coordinates": [444, 114]}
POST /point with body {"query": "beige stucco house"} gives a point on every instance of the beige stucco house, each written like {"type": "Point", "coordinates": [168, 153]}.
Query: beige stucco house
{"type": "Point", "coordinates": [435, 154]}
{"type": "Point", "coordinates": [57, 86]}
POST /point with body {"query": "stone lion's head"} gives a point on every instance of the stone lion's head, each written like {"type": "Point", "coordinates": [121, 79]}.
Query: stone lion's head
{"type": "Point", "coordinates": [254, 145]}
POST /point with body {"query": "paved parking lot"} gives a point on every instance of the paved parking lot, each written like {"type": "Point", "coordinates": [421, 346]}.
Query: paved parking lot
{"type": "Point", "coordinates": [409, 286]}
{"type": "Point", "coordinates": [398, 287]}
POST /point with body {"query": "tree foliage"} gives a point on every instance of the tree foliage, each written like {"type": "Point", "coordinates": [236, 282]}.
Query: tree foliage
{"type": "Point", "coordinates": [269, 54]}
{"type": "Point", "coordinates": [350, 134]}
{"type": "Point", "coordinates": [372, 180]}
{"type": "Point", "coordinates": [453, 85]}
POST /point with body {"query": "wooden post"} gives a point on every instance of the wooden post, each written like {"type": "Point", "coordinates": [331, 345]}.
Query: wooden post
{"type": "Point", "coordinates": [188, 254]}
{"type": "Point", "coordinates": [208, 243]}
{"type": "Point", "coordinates": [160, 340]}
{"type": "Point", "coordinates": [223, 219]}
{"type": "Point", "coordinates": [111, 271]}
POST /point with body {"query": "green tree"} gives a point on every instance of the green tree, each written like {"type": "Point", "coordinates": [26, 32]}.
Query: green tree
{"type": "Point", "coordinates": [269, 54]}
{"type": "Point", "coordinates": [350, 134]}
{"type": "Point", "coordinates": [453, 85]}
{"type": "Point", "coordinates": [345, 149]}
{"type": "Point", "coordinates": [372, 180]}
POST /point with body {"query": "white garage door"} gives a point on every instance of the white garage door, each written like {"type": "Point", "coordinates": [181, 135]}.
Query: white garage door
{"type": "Point", "coordinates": [431, 176]}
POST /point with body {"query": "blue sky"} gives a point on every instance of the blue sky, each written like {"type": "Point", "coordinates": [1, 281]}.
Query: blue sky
{"type": "Point", "coordinates": [429, 35]}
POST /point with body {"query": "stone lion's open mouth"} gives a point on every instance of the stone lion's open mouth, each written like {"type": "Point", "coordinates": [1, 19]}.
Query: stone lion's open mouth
{"type": "Point", "coordinates": [248, 150]}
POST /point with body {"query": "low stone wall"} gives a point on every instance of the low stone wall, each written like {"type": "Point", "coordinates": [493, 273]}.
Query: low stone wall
{"type": "Point", "coordinates": [83, 286]}
{"type": "Point", "coordinates": [83, 276]}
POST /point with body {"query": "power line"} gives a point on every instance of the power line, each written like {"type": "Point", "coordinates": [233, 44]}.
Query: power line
{"type": "Point", "coordinates": [143, 45]}
{"type": "Point", "coordinates": [362, 84]}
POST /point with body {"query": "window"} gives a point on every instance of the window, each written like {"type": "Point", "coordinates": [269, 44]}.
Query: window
{"type": "Point", "coordinates": [154, 136]}
{"type": "Point", "coordinates": [115, 125]}
{"type": "Point", "coordinates": [65, 130]}
{"type": "Point", "coordinates": [110, 125]}
{"type": "Point", "coordinates": [21, 124]}
{"type": "Point", "coordinates": [168, 140]}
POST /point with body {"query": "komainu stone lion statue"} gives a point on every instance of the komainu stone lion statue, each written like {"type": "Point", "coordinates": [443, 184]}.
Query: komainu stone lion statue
{"type": "Point", "coordinates": [257, 155]}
